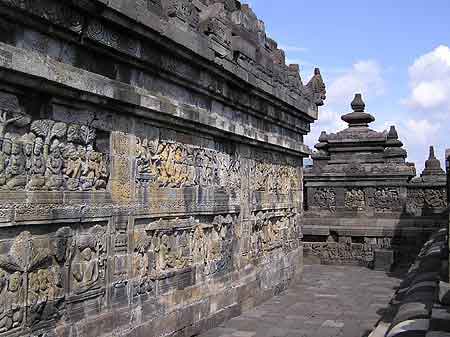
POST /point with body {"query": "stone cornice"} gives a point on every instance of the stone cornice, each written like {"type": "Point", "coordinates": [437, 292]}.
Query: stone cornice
{"type": "Point", "coordinates": [29, 63]}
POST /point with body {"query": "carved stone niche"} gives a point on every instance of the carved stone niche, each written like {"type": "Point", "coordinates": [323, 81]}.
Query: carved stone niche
{"type": "Point", "coordinates": [183, 11]}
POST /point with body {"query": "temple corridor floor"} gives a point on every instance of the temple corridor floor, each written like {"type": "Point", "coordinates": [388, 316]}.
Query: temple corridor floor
{"type": "Point", "coordinates": [341, 301]}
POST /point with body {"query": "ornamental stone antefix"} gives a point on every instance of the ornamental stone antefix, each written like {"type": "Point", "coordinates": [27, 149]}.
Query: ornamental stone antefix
{"type": "Point", "coordinates": [151, 157]}
{"type": "Point", "coordinates": [362, 199]}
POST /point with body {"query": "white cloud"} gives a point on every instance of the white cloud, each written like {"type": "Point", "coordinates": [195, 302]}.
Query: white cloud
{"type": "Point", "coordinates": [365, 77]}
{"type": "Point", "coordinates": [429, 104]}
{"type": "Point", "coordinates": [429, 79]}
{"type": "Point", "coordinates": [420, 131]}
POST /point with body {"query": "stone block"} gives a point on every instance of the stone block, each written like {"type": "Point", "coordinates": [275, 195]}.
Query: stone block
{"type": "Point", "coordinates": [383, 259]}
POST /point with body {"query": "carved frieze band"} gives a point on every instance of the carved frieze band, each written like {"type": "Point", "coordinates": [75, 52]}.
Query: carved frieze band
{"type": "Point", "coordinates": [176, 165]}
{"type": "Point", "coordinates": [275, 173]}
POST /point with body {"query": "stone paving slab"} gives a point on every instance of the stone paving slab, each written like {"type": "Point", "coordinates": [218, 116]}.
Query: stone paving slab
{"type": "Point", "coordinates": [330, 301]}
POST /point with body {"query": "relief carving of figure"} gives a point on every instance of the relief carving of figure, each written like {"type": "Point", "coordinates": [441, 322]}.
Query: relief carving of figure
{"type": "Point", "coordinates": [100, 170]}
{"type": "Point", "coordinates": [28, 146]}
{"type": "Point", "coordinates": [15, 171]}
{"type": "Point", "coordinates": [45, 294]}
{"type": "Point", "coordinates": [172, 173]}
{"type": "Point", "coordinates": [52, 156]}
{"type": "Point", "coordinates": [88, 264]}
{"type": "Point", "coordinates": [88, 170]}
{"type": "Point", "coordinates": [325, 198]}
{"type": "Point", "coordinates": [12, 301]}
{"type": "Point", "coordinates": [53, 173]}
{"type": "Point", "coordinates": [86, 275]}
{"type": "Point", "coordinates": [143, 265]}
{"type": "Point", "coordinates": [172, 250]}
{"type": "Point", "coordinates": [37, 167]}
{"type": "Point", "coordinates": [72, 167]}
{"type": "Point", "coordinates": [355, 199]}
{"type": "Point", "coordinates": [5, 154]}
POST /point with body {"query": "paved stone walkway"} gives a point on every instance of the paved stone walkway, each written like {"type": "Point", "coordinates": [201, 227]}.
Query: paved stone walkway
{"type": "Point", "coordinates": [338, 301]}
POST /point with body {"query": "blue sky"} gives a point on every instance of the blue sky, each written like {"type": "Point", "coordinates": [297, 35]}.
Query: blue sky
{"type": "Point", "coordinates": [395, 52]}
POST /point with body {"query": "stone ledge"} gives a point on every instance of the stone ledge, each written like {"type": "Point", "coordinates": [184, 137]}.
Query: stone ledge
{"type": "Point", "coordinates": [34, 64]}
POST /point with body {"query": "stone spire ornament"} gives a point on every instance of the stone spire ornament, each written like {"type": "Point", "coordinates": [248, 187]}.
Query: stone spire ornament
{"type": "Point", "coordinates": [394, 145]}
{"type": "Point", "coordinates": [358, 118]}
{"type": "Point", "coordinates": [432, 166]}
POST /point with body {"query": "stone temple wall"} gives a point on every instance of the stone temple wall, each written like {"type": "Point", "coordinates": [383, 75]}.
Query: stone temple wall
{"type": "Point", "coordinates": [150, 166]}
{"type": "Point", "coordinates": [362, 198]}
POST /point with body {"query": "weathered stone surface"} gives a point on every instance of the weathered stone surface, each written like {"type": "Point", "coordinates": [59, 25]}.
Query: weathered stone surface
{"type": "Point", "coordinates": [151, 157]}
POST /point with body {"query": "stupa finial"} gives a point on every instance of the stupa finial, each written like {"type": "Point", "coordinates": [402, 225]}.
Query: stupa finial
{"type": "Point", "coordinates": [358, 104]}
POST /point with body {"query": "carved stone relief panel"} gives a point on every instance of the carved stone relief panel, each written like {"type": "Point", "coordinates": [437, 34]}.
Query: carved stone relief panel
{"type": "Point", "coordinates": [89, 262]}
{"type": "Point", "coordinates": [46, 155]}
{"type": "Point", "coordinates": [325, 198]}
{"type": "Point", "coordinates": [274, 173]}
{"type": "Point", "coordinates": [421, 201]}
{"type": "Point", "coordinates": [170, 164]}
{"type": "Point", "coordinates": [166, 250]}
{"type": "Point", "coordinates": [213, 245]}
{"type": "Point", "coordinates": [355, 199]}
{"type": "Point", "coordinates": [385, 199]}
{"type": "Point", "coordinates": [162, 253]}
{"type": "Point", "coordinates": [346, 251]}
{"type": "Point", "coordinates": [272, 229]}
{"type": "Point", "coordinates": [171, 241]}
{"type": "Point", "coordinates": [40, 273]}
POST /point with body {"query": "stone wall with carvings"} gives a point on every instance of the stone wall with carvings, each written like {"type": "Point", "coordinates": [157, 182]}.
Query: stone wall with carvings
{"type": "Point", "coordinates": [151, 155]}
{"type": "Point", "coordinates": [360, 191]}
